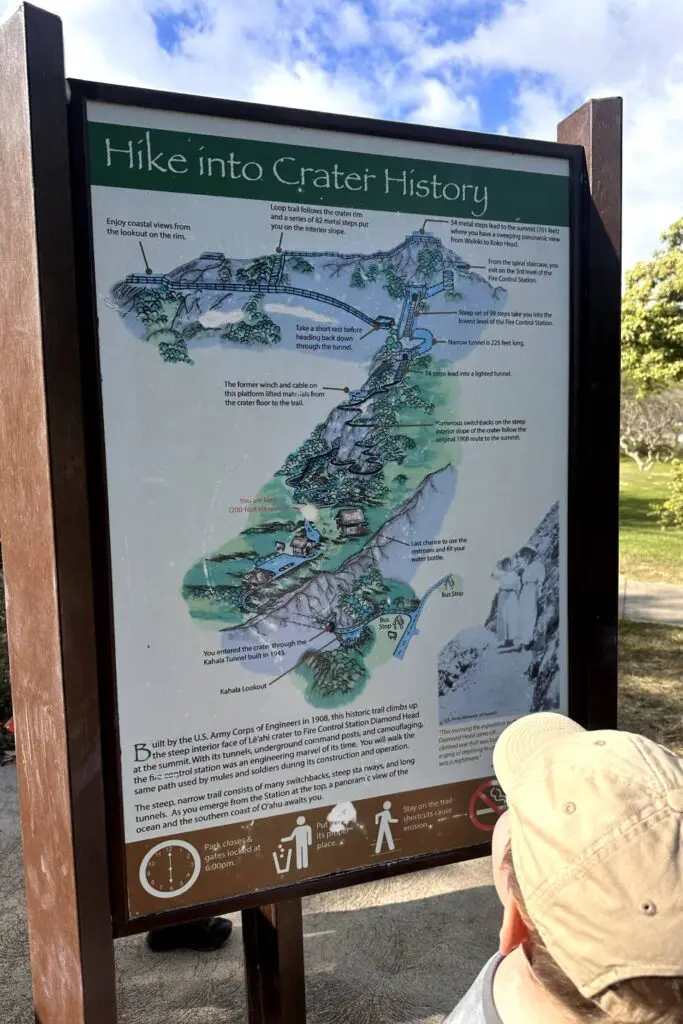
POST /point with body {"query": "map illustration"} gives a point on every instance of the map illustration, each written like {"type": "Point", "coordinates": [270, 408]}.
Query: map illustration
{"type": "Point", "coordinates": [317, 585]}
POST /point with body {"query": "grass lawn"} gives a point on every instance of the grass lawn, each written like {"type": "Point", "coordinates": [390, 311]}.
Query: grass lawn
{"type": "Point", "coordinates": [647, 552]}
{"type": "Point", "coordinates": [650, 692]}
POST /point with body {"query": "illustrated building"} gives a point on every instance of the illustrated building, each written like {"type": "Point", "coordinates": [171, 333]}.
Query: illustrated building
{"type": "Point", "coordinates": [258, 577]}
{"type": "Point", "coordinates": [351, 522]}
{"type": "Point", "coordinates": [307, 541]}
{"type": "Point", "coordinates": [303, 545]}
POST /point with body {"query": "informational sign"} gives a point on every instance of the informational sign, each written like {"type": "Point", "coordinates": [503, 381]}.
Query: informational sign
{"type": "Point", "coordinates": [335, 380]}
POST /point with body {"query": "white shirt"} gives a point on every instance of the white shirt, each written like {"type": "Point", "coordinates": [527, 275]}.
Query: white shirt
{"type": "Point", "coordinates": [477, 1005]}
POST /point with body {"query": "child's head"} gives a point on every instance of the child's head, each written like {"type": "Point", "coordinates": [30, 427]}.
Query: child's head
{"type": "Point", "coordinates": [506, 564]}
{"type": "Point", "coordinates": [588, 865]}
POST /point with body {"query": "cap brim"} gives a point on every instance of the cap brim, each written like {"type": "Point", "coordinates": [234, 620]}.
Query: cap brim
{"type": "Point", "coordinates": [524, 739]}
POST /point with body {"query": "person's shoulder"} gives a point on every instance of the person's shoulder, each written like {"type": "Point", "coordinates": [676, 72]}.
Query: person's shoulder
{"type": "Point", "coordinates": [476, 1006]}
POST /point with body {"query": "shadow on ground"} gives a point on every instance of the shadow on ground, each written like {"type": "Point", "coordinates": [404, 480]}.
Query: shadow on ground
{"type": "Point", "coordinates": [650, 693]}
{"type": "Point", "coordinates": [394, 952]}
{"type": "Point", "coordinates": [635, 511]}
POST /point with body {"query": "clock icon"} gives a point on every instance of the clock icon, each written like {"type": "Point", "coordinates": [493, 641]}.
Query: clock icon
{"type": "Point", "coordinates": [170, 868]}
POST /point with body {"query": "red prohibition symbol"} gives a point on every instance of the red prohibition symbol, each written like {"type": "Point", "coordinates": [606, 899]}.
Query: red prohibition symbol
{"type": "Point", "coordinates": [487, 799]}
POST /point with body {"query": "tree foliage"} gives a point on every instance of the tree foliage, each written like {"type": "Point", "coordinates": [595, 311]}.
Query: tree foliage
{"type": "Point", "coordinates": [395, 282]}
{"type": "Point", "coordinates": [259, 271]}
{"type": "Point", "coordinates": [255, 327]}
{"type": "Point", "coordinates": [172, 347]}
{"type": "Point", "coordinates": [355, 608]}
{"type": "Point", "coordinates": [429, 261]}
{"type": "Point", "coordinates": [151, 305]}
{"type": "Point", "coordinates": [391, 346]}
{"type": "Point", "coordinates": [299, 265]}
{"type": "Point", "coordinates": [175, 352]}
{"type": "Point", "coordinates": [358, 278]}
{"type": "Point", "coordinates": [336, 674]}
{"type": "Point", "coordinates": [297, 460]}
{"type": "Point", "coordinates": [386, 446]}
{"type": "Point", "coordinates": [652, 316]}
{"type": "Point", "coordinates": [650, 425]}
{"type": "Point", "coordinates": [148, 307]}
{"type": "Point", "coordinates": [670, 512]}
{"type": "Point", "coordinates": [330, 486]}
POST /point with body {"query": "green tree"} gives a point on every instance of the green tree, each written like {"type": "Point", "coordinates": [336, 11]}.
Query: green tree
{"type": "Point", "coordinates": [428, 262]}
{"type": "Point", "coordinates": [652, 316]}
{"type": "Point", "coordinates": [336, 674]}
{"type": "Point", "coordinates": [670, 512]}
{"type": "Point", "coordinates": [151, 304]}
{"type": "Point", "coordinates": [173, 349]}
{"type": "Point", "coordinates": [149, 307]}
{"type": "Point", "coordinates": [395, 285]}
{"type": "Point", "coordinates": [358, 278]}
{"type": "Point", "coordinates": [650, 425]}
{"type": "Point", "coordinates": [252, 310]}
{"type": "Point", "coordinates": [299, 265]}
{"type": "Point", "coordinates": [259, 271]}
{"type": "Point", "coordinates": [391, 345]}
{"type": "Point", "coordinates": [297, 460]}
{"type": "Point", "coordinates": [389, 447]}
{"type": "Point", "coordinates": [256, 327]}
{"type": "Point", "coordinates": [355, 608]}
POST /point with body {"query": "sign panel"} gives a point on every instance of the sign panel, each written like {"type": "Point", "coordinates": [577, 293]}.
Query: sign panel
{"type": "Point", "coordinates": [335, 380]}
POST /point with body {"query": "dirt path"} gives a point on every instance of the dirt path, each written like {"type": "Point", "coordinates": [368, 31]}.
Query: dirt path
{"type": "Point", "coordinates": [651, 602]}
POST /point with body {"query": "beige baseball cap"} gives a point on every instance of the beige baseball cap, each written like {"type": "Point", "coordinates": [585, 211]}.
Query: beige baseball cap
{"type": "Point", "coordinates": [596, 825]}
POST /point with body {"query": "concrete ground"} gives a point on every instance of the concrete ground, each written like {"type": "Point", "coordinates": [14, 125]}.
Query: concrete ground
{"type": "Point", "coordinates": [651, 602]}
{"type": "Point", "coordinates": [396, 952]}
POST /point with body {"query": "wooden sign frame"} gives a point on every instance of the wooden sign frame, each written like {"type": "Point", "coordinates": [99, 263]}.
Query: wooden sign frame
{"type": "Point", "coordinates": [123, 97]}
{"type": "Point", "coordinates": [54, 532]}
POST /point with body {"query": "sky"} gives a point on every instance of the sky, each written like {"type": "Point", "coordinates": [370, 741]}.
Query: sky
{"type": "Point", "coordinates": [504, 66]}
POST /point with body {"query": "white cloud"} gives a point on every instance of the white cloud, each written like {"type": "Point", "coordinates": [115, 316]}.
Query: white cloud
{"type": "Point", "coordinates": [443, 105]}
{"type": "Point", "coordinates": [354, 24]}
{"type": "Point", "coordinates": [212, 318]}
{"type": "Point", "coordinates": [389, 59]}
{"type": "Point", "coordinates": [312, 88]}
{"type": "Point", "coordinates": [302, 53]}
{"type": "Point", "coordinates": [539, 113]}
{"type": "Point", "coordinates": [594, 48]}
{"type": "Point", "coordinates": [301, 311]}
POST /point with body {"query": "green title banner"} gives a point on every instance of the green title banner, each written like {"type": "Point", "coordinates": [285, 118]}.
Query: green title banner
{"type": "Point", "coordinates": [123, 156]}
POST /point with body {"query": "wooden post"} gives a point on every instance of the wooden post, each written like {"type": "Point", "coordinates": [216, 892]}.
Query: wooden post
{"type": "Point", "coordinates": [274, 963]}
{"type": "Point", "coordinates": [597, 126]}
{"type": "Point", "coordinates": [45, 539]}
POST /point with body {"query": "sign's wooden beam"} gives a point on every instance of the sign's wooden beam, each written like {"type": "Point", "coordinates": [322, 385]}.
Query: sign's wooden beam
{"type": "Point", "coordinates": [45, 540]}
{"type": "Point", "coordinates": [594, 557]}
